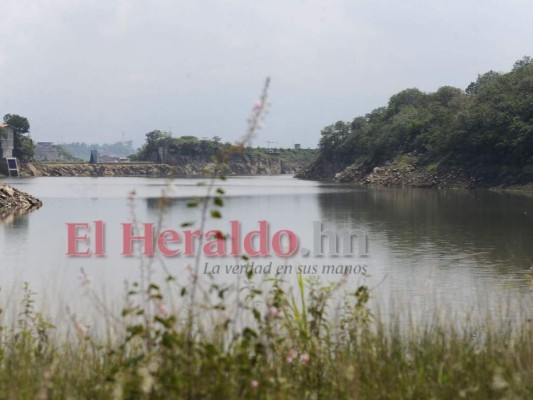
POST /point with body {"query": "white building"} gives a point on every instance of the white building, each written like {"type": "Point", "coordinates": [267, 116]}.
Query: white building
{"type": "Point", "coordinates": [6, 141]}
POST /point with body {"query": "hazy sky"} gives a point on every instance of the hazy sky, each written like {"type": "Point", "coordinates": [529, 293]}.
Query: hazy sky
{"type": "Point", "coordinates": [90, 70]}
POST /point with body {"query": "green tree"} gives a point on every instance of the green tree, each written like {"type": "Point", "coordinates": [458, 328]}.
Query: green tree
{"type": "Point", "coordinates": [407, 97]}
{"type": "Point", "coordinates": [482, 81]}
{"type": "Point", "coordinates": [333, 136]}
{"type": "Point", "coordinates": [20, 124]}
{"type": "Point", "coordinates": [523, 62]}
{"type": "Point", "coordinates": [24, 148]}
{"type": "Point", "coordinates": [154, 136]}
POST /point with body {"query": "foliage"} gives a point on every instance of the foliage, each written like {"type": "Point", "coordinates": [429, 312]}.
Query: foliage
{"type": "Point", "coordinates": [487, 127]}
{"type": "Point", "coordinates": [24, 148]}
{"type": "Point", "coordinates": [20, 124]}
{"type": "Point", "coordinates": [188, 146]}
{"type": "Point", "coordinates": [277, 343]}
{"type": "Point", "coordinates": [207, 149]}
{"type": "Point", "coordinates": [82, 151]}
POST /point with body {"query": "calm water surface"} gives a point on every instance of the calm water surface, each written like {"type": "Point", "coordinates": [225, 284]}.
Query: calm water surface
{"type": "Point", "coordinates": [455, 251]}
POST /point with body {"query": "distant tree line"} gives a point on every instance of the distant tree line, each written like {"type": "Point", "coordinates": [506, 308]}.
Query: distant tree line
{"type": "Point", "coordinates": [490, 124]}
{"type": "Point", "coordinates": [184, 146]}
{"type": "Point", "coordinates": [83, 150]}
{"type": "Point", "coordinates": [191, 146]}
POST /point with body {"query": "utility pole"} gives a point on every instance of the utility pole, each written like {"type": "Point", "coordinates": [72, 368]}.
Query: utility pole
{"type": "Point", "coordinates": [269, 143]}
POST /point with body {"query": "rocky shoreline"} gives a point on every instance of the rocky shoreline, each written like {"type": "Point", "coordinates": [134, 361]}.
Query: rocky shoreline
{"type": "Point", "coordinates": [14, 201]}
{"type": "Point", "coordinates": [97, 170]}
{"type": "Point", "coordinates": [407, 172]}
{"type": "Point", "coordinates": [391, 174]}
{"type": "Point", "coordinates": [243, 165]}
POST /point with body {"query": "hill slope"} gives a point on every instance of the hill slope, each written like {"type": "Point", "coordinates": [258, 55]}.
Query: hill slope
{"type": "Point", "coordinates": [481, 136]}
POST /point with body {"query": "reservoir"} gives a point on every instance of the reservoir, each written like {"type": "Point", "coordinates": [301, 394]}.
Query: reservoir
{"type": "Point", "coordinates": [460, 253]}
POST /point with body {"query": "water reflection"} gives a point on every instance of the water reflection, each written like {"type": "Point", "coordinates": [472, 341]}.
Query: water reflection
{"type": "Point", "coordinates": [487, 227]}
{"type": "Point", "coordinates": [16, 218]}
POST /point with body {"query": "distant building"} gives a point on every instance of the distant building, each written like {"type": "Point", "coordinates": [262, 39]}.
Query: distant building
{"type": "Point", "coordinates": [7, 142]}
{"type": "Point", "coordinates": [297, 146]}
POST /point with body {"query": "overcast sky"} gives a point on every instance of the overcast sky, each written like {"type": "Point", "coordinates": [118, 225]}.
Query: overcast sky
{"type": "Point", "coordinates": [93, 70]}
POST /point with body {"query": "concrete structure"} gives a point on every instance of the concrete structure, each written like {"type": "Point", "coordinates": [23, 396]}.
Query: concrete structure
{"type": "Point", "coordinates": [7, 142]}
{"type": "Point", "coordinates": [161, 156]}
{"type": "Point", "coordinates": [94, 157]}
{"type": "Point", "coordinates": [8, 164]}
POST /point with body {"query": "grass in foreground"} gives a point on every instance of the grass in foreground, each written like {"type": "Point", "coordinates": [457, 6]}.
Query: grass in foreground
{"type": "Point", "coordinates": [274, 344]}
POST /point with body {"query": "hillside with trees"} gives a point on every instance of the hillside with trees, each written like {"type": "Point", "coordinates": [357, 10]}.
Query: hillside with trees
{"type": "Point", "coordinates": [483, 133]}
{"type": "Point", "coordinates": [199, 153]}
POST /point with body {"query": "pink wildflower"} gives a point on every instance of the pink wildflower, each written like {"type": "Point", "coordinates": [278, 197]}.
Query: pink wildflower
{"type": "Point", "coordinates": [162, 308]}
{"type": "Point", "coordinates": [273, 311]}
{"type": "Point", "coordinates": [304, 358]}
{"type": "Point", "coordinates": [254, 384]}
{"type": "Point", "coordinates": [292, 355]}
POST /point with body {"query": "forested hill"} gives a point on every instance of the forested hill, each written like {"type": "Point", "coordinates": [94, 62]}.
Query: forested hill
{"type": "Point", "coordinates": [482, 135]}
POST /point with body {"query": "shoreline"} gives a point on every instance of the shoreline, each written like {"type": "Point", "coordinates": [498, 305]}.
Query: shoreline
{"type": "Point", "coordinates": [395, 174]}
{"type": "Point", "coordinates": [14, 201]}
{"type": "Point", "coordinates": [405, 171]}
{"type": "Point", "coordinates": [139, 169]}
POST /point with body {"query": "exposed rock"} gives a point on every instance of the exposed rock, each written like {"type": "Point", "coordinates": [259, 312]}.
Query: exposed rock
{"type": "Point", "coordinates": [237, 164]}
{"type": "Point", "coordinates": [406, 172]}
{"type": "Point", "coordinates": [319, 169]}
{"type": "Point", "coordinates": [15, 201]}
{"type": "Point", "coordinates": [411, 176]}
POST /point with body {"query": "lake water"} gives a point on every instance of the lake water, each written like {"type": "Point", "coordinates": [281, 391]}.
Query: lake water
{"type": "Point", "coordinates": [458, 252]}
